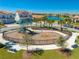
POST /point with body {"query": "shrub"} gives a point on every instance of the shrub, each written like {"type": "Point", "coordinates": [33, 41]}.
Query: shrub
{"type": "Point", "coordinates": [1, 45]}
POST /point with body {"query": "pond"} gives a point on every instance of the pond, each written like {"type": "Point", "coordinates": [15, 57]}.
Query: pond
{"type": "Point", "coordinates": [54, 18]}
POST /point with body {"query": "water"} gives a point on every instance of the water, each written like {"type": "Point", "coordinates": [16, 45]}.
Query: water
{"type": "Point", "coordinates": [54, 18]}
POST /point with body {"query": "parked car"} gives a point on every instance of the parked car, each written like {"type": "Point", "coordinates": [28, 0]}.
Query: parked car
{"type": "Point", "coordinates": [10, 43]}
{"type": "Point", "coordinates": [12, 50]}
{"type": "Point", "coordinates": [75, 46]}
{"type": "Point", "coordinates": [67, 25]}
{"type": "Point", "coordinates": [76, 28]}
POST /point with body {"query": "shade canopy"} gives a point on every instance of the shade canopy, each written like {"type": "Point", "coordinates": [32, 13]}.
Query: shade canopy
{"type": "Point", "coordinates": [55, 18]}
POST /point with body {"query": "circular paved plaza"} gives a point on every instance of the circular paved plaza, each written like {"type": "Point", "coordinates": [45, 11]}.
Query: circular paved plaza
{"type": "Point", "coordinates": [39, 38]}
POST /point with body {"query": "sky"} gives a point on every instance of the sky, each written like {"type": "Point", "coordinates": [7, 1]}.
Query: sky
{"type": "Point", "coordinates": [41, 5]}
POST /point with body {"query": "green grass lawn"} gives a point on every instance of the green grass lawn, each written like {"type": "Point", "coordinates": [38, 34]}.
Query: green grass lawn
{"type": "Point", "coordinates": [50, 54]}
{"type": "Point", "coordinates": [75, 24]}
{"type": "Point", "coordinates": [75, 54]}
{"type": "Point", "coordinates": [6, 55]}
{"type": "Point", "coordinates": [77, 40]}
{"type": "Point", "coordinates": [55, 55]}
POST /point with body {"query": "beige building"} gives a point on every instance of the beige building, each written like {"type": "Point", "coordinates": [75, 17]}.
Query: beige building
{"type": "Point", "coordinates": [75, 18]}
{"type": "Point", "coordinates": [38, 15]}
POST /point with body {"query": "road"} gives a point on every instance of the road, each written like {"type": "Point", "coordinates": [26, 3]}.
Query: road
{"type": "Point", "coordinates": [53, 25]}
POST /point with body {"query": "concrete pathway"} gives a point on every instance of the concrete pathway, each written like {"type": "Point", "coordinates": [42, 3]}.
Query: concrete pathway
{"type": "Point", "coordinates": [44, 47]}
{"type": "Point", "coordinates": [71, 40]}
{"type": "Point", "coordinates": [19, 47]}
{"type": "Point", "coordinates": [12, 25]}
{"type": "Point", "coordinates": [3, 41]}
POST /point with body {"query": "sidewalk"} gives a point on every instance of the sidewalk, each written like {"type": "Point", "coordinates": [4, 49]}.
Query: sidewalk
{"type": "Point", "coordinates": [71, 40]}
{"type": "Point", "coordinates": [31, 47]}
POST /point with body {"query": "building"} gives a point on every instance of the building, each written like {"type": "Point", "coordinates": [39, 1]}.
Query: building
{"type": "Point", "coordinates": [75, 18]}
{"type": "Point", "coordinates": [23, 17]}
{"type": "Point", "coordinates": [7, 17]}
{"type": "Point", "coordinates": [37, 15]}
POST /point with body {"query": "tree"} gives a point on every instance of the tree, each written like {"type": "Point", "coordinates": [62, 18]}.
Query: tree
{"type": "Point", "coordinates": [36, 21]}
{"type": "Point", "coordinates": [77, 40]}
{"type": "Point", "coordinates": [66, 51]}
{"type": "Point", "coordinates": [1, 24]}
{"type": "Point", "coordinates": [60, 41]}
{"type": "Point", "coordinates": [2, 45]}
{"type": "Point", "coordinates": [39, 20]}
{"type": "Point", "coordinates": [44, 20]}
{"type": "Point", "coordinates": [27, 38]}
{"type": "Point", "coordinates": [37, 51]}
{"type": "Point", "coordinates": [67, 19]}
{"type": "Point", "coordinates": [77, 37]}
{"type": "Point", "coordinates": [61, 22]}
{"type": "Point", "coordinates": [50, 22]}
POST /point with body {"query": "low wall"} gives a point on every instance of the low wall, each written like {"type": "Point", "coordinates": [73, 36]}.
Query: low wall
{"type": "Point", "coordinates": [34, 42]}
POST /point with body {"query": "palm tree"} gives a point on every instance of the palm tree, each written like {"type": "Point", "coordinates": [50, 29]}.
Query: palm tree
{"type": "Point", "coordinates": [28, 39]}
{"type": "Point", "coordinates": [44, 20]}
{"type": "Point", "coordinates": [66, 20]}
{"type": "Point", "coordinates": [50, 22]}
{"type": "Point", "coordinates": [60, 21]}
{"type": "Point", "coordinates": [40, 21]}
{"type": "Point", "coordinates": [36, 21]}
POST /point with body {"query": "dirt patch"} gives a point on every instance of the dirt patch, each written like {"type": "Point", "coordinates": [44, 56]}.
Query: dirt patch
{"type": "Point", "coordinates": [26, 55]}
{"type": "Point", "coordinates": [46, 36]}
{"type": "Point", "coordinates": [66, 56]}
